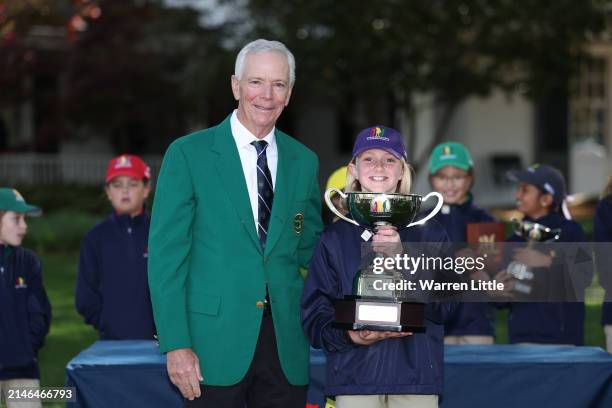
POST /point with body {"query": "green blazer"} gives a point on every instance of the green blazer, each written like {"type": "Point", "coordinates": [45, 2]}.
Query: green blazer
{"type": "Point", "coordinates": [207, 271]}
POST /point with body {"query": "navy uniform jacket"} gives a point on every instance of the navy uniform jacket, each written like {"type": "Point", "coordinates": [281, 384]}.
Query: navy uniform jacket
{"type": "Point", "coordinates": [25, 313]}
{"type": "Point", "coordinates": [475, 319]}
{"type": "Point", "coordinates": [602, 231]}
{"type": "Point", "coordinates": [409, 365]}
{"type": "Point", "coordinates": [112, 292]}
{"type": "Point", "coordinates": [552, 322]}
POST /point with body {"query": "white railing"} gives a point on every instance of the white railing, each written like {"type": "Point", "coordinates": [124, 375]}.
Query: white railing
{"type": "Point", "coordinates": [34, 168]}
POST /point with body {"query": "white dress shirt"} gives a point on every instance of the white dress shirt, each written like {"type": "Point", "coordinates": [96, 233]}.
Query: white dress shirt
{"type": "Point", "coordinates": [248, 157]}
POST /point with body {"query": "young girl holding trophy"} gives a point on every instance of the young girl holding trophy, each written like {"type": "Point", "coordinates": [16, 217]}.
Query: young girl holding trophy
{"type": "Point", "coordinates": [370, 368]}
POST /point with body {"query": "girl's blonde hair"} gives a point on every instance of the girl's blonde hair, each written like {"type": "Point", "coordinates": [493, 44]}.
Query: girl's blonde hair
{"type": "Point", "coordinates": [403, 186]}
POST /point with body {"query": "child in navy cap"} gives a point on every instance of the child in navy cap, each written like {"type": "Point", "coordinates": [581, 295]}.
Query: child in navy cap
{"type": "Point", "coordinates": [367, 368]}
{"type": "Point", "coordinates": [540, 197]}
{"type": "Point", "coordinates": [541, 190]}
{"type": "Point", "coordinates": [112, 292]}
{"type": "Point", "coordinates": [25, 312]}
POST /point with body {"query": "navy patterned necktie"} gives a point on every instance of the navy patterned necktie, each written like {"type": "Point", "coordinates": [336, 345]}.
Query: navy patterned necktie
{"type": "Point", "coordinates": [265, 191]}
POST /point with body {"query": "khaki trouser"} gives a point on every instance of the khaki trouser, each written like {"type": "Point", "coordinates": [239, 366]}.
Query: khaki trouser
{"type": "Point", "coordinates": [387, 401]}
{"type": "Point", "coordinates": [468, 339]}
{"type": "Point", "coordinates": [5, 385]}
{"type": "Point", "coordinates": [608, 331]}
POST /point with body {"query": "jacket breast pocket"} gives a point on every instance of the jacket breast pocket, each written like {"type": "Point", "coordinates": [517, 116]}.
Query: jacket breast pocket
{"type": "Point", "coordinates": [203, 303]}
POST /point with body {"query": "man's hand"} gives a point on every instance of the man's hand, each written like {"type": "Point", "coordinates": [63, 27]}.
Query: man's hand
{"type": "Point", "coordinates": [184, 371]}
{"type": "Point", "coordinates": [387, 241]}
{"type": "Point", "coordinates": [367, 337]}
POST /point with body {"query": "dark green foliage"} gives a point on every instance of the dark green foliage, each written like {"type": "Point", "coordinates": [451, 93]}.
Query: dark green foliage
{"type": "Point", "coordinates": [59, 231]}
{"type": "Point", "coordinates": [456, 48]}
{"type": "Point", "coordinates": [367, 59]}
{"type": "Point", "coordinates": [67, 197]}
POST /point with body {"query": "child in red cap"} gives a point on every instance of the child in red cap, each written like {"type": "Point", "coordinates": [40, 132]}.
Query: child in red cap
{"type": "Point", "coordinates": [112, 292]}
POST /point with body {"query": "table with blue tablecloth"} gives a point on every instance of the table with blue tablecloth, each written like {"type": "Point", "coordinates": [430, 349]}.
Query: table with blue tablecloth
{"type": "Point", "coordinates": [133, 374]}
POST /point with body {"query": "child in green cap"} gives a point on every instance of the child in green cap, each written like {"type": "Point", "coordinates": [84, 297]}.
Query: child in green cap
{"type": "Point", "coordinates": [451, 173]}
{"type": "Point", "coordinates": [25, 312]}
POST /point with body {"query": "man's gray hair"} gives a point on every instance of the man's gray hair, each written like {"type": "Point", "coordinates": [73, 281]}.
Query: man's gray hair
{"type": "Point", "coordinates": [259, 46]}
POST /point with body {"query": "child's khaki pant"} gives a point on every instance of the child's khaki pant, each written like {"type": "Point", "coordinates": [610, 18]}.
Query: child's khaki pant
{"type": "Point", "coordinates": [387, 401]}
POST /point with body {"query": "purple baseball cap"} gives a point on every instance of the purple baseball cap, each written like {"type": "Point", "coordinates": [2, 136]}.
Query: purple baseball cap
{"type": "Point", "coordinates": [380, 137]}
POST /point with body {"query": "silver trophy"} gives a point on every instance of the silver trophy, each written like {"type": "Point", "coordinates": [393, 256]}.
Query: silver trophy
{"type": "Point", "coordinates": [369, 307]}
{"type": "Point", "coordinates": [533, 233]}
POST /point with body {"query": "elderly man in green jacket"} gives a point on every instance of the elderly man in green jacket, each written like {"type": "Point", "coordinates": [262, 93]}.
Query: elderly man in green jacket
{"type": "Point", "coordinates": [235, 218]}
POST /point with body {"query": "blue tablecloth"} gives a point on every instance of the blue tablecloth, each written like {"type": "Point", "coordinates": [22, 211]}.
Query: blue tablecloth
{"type": "Point", "coordinates": [512, 376]}
{"type": "Point", "coordinates": [133, 374]}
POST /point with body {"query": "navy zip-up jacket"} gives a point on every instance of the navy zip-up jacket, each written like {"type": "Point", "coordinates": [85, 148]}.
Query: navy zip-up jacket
{"type": "Point", "coordinates": [409, 365]}
{"type": "Point", "coordinates": [25, 313]}
{"type": "Point", "coordinates": [112, 292]}
{"type": "Point", "coordinates": [475, 319]}
{"type": "Point", "coordinates": [552, 322]}
{"type": "Point", "coordinates": [602, 231]}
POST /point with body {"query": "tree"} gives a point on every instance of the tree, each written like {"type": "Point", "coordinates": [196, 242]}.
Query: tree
{"type": "Point", "coordinates": [382, 52]}
{"type": "Point", "coordinates": [22, 51]}
{"type": "Point", "coordinates": [136, 71]}
{"type": "Point", "coordinates": [139, 72]}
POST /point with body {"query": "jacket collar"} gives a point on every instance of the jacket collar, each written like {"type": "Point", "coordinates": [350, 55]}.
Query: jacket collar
{"type": "Point", "coordinates": [125, 220]}
{"type": "Point", "coordinates": [229, 170]}
{"type": "Point", "coordinates": [552, 220]}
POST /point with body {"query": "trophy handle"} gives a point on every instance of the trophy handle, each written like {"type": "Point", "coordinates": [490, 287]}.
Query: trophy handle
{"type": "Point", "coordinates": [433, 212]}
{"type": "Point", "coordinates": [333, 208]}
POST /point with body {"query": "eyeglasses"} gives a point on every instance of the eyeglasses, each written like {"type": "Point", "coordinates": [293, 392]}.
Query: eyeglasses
{"type": "Point", "coordinates": [453, 180]}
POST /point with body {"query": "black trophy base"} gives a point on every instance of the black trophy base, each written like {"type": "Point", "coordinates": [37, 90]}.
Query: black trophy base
{"type": "Point", "coordinates": [379, 315]}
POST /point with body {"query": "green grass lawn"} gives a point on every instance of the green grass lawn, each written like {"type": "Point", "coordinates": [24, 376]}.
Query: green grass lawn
{"type": "Point", "coordinates": [68, 334]}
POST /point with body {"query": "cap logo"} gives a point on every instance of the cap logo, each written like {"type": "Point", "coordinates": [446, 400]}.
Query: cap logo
{"type": "Point", "coordinates": [20, 283]}
{"type": "Point", "coordinates": [123, 162]}
{"type": "Point", "coordinates": [447, 154]}
{"type": "Point", "coordinates": [550, 189]}
{"type": "Point", "coordinates": [18, 196]}
{"type": "Point", "coordinates": [533, 168]}
{"type": "Point", "coordinates": [377, 133]}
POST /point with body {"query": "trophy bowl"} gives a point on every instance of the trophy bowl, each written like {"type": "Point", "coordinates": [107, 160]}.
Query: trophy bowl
{"type": "Point", "coordinates": [532, 232]}
{"type": "Point", "coordinates": [367, 308]}
{"type": "Point", "coordinates": [370, 210]}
